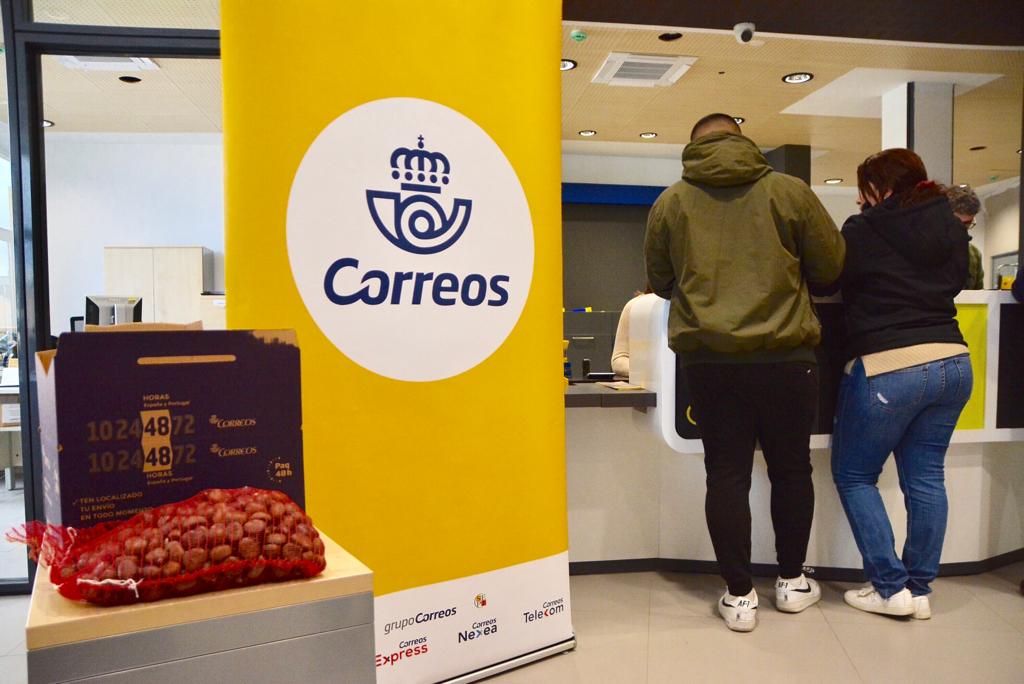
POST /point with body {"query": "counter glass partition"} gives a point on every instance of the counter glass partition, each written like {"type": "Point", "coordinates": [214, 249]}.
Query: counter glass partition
{"type": "Point", "coordinates": [591, 336]}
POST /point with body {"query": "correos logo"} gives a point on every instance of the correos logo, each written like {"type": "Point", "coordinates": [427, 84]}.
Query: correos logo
{"type": "Point", "coordinates": [417, 222]}
{"type": "Point", "coordinates": [410, 239]}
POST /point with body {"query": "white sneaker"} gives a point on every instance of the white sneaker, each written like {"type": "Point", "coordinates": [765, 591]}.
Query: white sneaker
{"type": "Point", "coordinates": [922, 608]}
{"type": "Point", "coordinates": [740, 612]}
{"type": "Point", "coordinates": [868, 599]}
{"type": "Point", "coordinates": [797, 594]}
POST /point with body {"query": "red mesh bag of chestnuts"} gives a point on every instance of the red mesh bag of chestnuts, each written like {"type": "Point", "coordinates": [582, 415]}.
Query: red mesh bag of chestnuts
{"type": "Point", "coordinates": [218, 539]}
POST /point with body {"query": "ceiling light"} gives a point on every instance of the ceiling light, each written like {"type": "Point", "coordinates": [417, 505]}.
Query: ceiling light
{"type": "Point", "coordinates": [1018, 151]}
{"type": "Point", "coordinates": [798, 77]}
{"type": "Point", "coordinates": [833, 181]}
{"type": "Point", "coordinates": [647, 135]}
{"type": "Point", "coordinates": [738, 120]}
{"type": "Point", "coordinates": [588, 133]}
{"type": "Point", "coordinates": [669, 37]}
{"type": "Point", "coordinates": [47, 123]}
{"type": "Point", "coordinates": [129, 79]}
{"type": "Point", "coordinates": [978, 148]}
{"type": "Point", "coordinates": [568, 65]}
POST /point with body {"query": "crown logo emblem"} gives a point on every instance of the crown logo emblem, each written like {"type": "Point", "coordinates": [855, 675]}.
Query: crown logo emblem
{"type": "Point", "coordinates": [430, 170]}
{"type": "Point", "coordinates": [417, 222]}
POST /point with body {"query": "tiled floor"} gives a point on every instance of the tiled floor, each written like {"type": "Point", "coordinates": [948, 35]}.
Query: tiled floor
{"type": "Point", "coordinates": [13, 611]}
{"type": "Point", "coordinates": [12, 513]}
{"type": "Point", "coordinates": [662, 627]}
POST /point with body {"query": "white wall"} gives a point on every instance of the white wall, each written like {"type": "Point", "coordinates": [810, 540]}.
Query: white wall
{"type": "Point", "coordinates": [663, 171]}
{"type": "Point", "coordinates": [998, 225]}
{"type": "Point", "coordinates": [620, 170]}
{"type": "Point", "coordinates": [841, 203]}
{"type": "Point", "coordinates": [114, 189]}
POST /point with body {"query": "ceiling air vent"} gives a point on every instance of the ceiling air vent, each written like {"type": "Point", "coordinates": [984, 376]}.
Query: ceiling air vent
{"type": "Point", "coordinates": [95, 63]}
{"type": "Point", "coordinates": [647, 71]}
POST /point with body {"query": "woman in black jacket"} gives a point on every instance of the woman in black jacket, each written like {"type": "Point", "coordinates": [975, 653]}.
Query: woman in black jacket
{"type": "Point", "coordinates": [908, 378]}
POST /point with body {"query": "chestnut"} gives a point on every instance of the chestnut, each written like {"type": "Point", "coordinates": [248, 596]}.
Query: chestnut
{"type": "Point", "coordinates": [175, 551]}
{"type": "Point", "coordinates": [157, 557]}
{"type": "Point", "coordinates": [255, 528]}
{"type": "Point", "coordinates": [220, 553]}
{"type": "Point", "coordinates": [248, 548]}
{"type": "Point", "coordinates": [194, 559]}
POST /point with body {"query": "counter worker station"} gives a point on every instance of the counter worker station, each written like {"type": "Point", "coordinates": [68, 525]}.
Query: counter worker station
{"type": "Point", "coordinates": [636, 472]}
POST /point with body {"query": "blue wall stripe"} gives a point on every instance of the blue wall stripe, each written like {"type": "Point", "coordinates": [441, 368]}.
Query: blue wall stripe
{"type": "Point", "coordinates": [600, 193]}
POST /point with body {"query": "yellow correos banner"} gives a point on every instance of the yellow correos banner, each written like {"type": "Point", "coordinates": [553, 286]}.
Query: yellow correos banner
{"type": "Point", "coordinates": [393, 195]}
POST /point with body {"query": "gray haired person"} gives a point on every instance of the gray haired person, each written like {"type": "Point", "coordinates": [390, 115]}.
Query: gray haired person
{"type": "Point", "coordinates": [966, 206]}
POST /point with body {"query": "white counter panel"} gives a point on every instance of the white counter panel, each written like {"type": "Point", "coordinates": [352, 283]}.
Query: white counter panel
{"type": "Point", "coordinates": [631, 496]}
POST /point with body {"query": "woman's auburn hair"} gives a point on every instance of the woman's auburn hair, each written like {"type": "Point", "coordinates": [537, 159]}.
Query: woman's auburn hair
{"type": "Point", "coordinates": [899, 171]}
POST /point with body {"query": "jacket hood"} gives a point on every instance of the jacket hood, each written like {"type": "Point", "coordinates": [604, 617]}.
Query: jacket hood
{"type": "Point", "coordinates": [925, 234]}
{"type": "Point", "coordinates": [723, 160]}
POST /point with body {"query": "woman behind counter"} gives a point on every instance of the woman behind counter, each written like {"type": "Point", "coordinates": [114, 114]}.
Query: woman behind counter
{"type": "Point", "coordinates": [620, 351]}
{"type": "Point", "coordinates": [909, 377]}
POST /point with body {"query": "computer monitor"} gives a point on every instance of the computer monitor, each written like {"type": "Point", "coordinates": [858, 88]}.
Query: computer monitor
{"type": "Point", "coordinates": [108, 310]}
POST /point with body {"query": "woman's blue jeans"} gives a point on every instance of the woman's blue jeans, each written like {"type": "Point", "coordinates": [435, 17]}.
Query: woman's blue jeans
{"type": "Point", "coordinates": [909, 413]}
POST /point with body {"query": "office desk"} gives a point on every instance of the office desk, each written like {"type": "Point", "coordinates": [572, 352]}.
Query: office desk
{"type": "Point", "coordinates": [10, 438]}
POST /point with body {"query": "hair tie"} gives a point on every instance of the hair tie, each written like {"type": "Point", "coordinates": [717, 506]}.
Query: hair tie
{"type": "Point", "coordinates": [925, 185]}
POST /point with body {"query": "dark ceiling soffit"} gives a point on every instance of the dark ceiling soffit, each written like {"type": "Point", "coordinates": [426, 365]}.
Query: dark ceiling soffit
{"type": "Point", "coordinates": [984, 22]}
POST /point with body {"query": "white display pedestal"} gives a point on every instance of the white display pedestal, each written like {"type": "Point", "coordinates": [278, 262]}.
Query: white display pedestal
{"type": "Point", "coordinates": [315, 630]}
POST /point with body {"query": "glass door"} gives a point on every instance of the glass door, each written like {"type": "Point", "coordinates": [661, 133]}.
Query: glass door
{"type": "Point", "coordinates": [13, 562]}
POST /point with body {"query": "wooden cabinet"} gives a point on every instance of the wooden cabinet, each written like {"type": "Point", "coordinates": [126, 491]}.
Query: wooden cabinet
{"type": "Point", "coordinates": [170, 280]}
{"type": "Point", "coordinates": [214, 312]}
{"type": "Point", "coordinates": [128, 271]}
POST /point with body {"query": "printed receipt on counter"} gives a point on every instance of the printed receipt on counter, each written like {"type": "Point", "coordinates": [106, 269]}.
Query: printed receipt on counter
{"type": "Point", "coordinates": [620, 385]}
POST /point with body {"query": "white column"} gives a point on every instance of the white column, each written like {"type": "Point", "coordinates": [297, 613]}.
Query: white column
{"type": "Point", "coordinates": [895, 113]}
{"type": "Point", "coordinates": [919, 116]}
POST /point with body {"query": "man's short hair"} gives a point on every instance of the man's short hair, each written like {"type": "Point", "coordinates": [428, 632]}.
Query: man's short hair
{"type": "Point", "coordinates": [712, 122]}
{"type": "Point", "coordinates": [963, 199]}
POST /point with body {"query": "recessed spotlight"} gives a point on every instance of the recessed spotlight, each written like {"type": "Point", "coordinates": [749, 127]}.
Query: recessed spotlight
{"type": "Point", "coordinates": [798, 77]}
{"type": "Point", "coordinates": [647, 135]}
{"type": "Point", "coordinates": [568, 65]}
{"type": "Point", "coordinates": [738, 120]}
{"type": "Point", "coordinates": [978, 148]}
{"type": "Point", "coordinates": [129, 79]}
{"type": "Point", "coordinates": [47, 123]}
{"type": "Point", "coordinates": [833, 181]}
{"type": "Point", "coordinates": [588, 133]}
{"type": "Point", "coordinates": [669, 37]}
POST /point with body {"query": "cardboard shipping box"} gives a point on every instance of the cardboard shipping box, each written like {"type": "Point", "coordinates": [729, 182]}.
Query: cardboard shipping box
{"type": "Point", "coordinates": [131, 420]}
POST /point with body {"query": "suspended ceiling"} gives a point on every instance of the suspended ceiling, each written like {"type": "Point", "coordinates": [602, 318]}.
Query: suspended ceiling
{"type": "Point", "coordinates": [188, 14]}
{"type": "Point", "coordinates": [184, 95]}
{"type": "Point", "coordinates": [746, 80]}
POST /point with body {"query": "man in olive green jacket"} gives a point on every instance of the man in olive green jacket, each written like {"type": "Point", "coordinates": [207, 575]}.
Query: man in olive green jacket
{"type": "Point", "coordinates": [734, 246]}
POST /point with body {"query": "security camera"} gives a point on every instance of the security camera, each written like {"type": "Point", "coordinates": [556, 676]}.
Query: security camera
{"type": "Point", "coordinates": [744, 32]}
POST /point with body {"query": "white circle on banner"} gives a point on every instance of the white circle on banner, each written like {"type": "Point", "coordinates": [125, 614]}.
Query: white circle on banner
{"type": "Point", "coordinates": [410, 239]}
